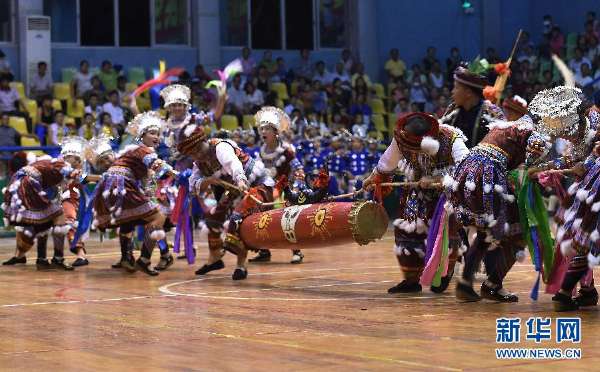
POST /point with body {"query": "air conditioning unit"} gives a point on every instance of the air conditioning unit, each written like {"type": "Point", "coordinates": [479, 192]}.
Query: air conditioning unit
{"type": "Point", "coordinates": [35, 45]}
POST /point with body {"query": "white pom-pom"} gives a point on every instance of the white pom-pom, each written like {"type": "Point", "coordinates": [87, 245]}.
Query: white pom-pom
{"type": "Point", "coordinates": [397, 222]}
{"type": "Point", "coordinates": [448, 181]}
{"type": "Point", "coordinates": [582, 194]}
{"type": "Point", "coordinates": [589, 199]}
{"type": "Point", "coordinates": [577, 224]}
{"type": "Point", "coordinates": [28, 233]}
{"type": "Point", "coordinates": [113, 221]}
{"type": "Point", "coordinates": [499, 189]}
{"type": "Point", "coordinates": [4, 190]}
{"type": "Point", "coordinates": [118, 212]}
{"type": "Point", "coordinates": [406, 252]}
{"type": "Point", "coordinates": [593, 261]}
{"type": "Point", "coordinates": [487, 188]}
{"type": "Point", "coordinates": [430, 145]}
{"type": "Point", "coordinates": [506, 228]}
{"type": "Point", "coordinates": [573, 188]}
{"type": "Point", "coordinates": [596, 207]}
{"type": "Point", "coordinates": [566, 248]}
{"type": "Point", "coordinates": [123, 192]}
{"type": "Point", "coordinates": [520, 255]}
{"type": "Point", "coordinates": [6, 222]}
{"type": "Point", "coordinates": [470, 185]}
{"type": "Point", "coordinates": [31, 158]}
{"type": "Point", "coordinates": [105, 194]}
{"type": "Point", "coordinates": [509, 198]}
{"type": "Point", "coordinates": [203, 231]}
{"type": "Point", "coordinates": [595, 236]}
{"type": "Point", "coordinates": [112, 209]}
{"type": "Point", "coordinates": [42, 193]}
{"type": "Point", "coordinates": [421, 227]}
{"type": "Point", "coordinates": [420, 252]}
{"type": "Point", "coordinates": [94, 224]}
{"type": "Point", "coordinates": [115, 191]}
{"type": "Point", "coordinates": [157, 235]}
{"type": "Point", "coordinates": [19, 217]}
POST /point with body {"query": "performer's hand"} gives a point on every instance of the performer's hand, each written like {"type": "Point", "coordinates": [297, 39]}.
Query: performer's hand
{"type": "Point", "coordinates": [369, 182]}
{"type": "Point", "coordinates": [75, 173]}
{"type": "Point", "coordinates": [242, 184]}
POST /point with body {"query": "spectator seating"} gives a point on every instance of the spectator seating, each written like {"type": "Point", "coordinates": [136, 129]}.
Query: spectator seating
{"type": "Point", "coordinates": [248, 121]}
{"type": "Point", "coordinates": [229, 122]}
{"type": "Point", "coordinates": [379, 90]}
{"type": "Point", "coordinates": [378, 106]}
{"type": "Point", "coordinates": [19, 124]}
{"type": "Point", "coordinates": [31, 106]}
{"type": "Point", "coordinates": [136, 75]}
{"type": "Point", "coordinates": [75, 109]}
{"type": "Point", "coordinates": [20, 87]}
{"type": "Point", "coordinates": [67, 74]}
{"type": "Point", "coordinates": [61, 91]}
{"type": "Point", "coordinates": [56, 104]}
{"type": "Point", "coordinates": [379, 123]}
{"type": "Point", "coordinates": [31, 141]}
{"type": "Point", "coordinates": [281, 90]}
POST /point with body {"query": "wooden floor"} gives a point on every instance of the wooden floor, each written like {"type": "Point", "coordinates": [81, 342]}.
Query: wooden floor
{"type": "Point", "coordinates": [330, 313]}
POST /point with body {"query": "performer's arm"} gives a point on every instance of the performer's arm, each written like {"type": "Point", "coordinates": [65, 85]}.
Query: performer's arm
{"type": "Point", "coordinates": [459, 150]}
{"type": "Point", "coordinates": [386, 164]}
{"type": "Point", "coordinates": [232, 165]}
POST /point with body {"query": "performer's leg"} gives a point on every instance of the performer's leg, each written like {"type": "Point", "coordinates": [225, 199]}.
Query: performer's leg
{"type": "Point", "coordinates": [263, 255]}
{"type": "Point", "coordinates": [59, 231]}
{"type": "Point", "coordinates": [297, 256]}
{"type": "Point", "coordinates": [70, 213]}
{"type": "Point", "coordinates": [578, 268]}
{"type": "Point", "coordinates": [472, 259]}
{"type": "Point", "coordinates": [127, 261]}
{"type": "Point", "coordinates": [153, 233]}
{"type": "Point", "coordinates": [498, 263]}
{"type": "Point", "coordinates": [588, 295]}
{"type": "Point", "coordinates": [410, 250]}
{"type": "Point", "coordinates": [166, 259]}
{"type": "Point", "coordinates": [24, 243]}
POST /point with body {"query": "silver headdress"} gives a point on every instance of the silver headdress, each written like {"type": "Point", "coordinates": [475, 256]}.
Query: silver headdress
{"type": "Point", "coordinates": [557, 110]}
{"type": "Point", "coordinates": [273, 117]}
{"type": "Point", "coordinates": [176, 93]}
{"type": "Point", "coordinates": [97, 147]}
{"type": "Point", "coordinates": [73, 145]}
{"type": "Point", "coordinates": [145, 122]}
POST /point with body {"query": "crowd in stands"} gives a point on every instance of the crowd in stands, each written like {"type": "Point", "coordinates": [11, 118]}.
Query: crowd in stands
{"type": "Point", "coordinates": [339, 113]}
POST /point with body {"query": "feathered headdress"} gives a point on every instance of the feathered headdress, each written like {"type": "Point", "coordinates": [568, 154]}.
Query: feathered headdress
{"type": "Point", "coordinates": [97, 147]}
{"type": "Point", "coordinates": [73, 145]}
{"type": "Point", "coordinates": [142, 123]}
{"type": "Point", "coordinates": [176, 93]}
{"type": "Point", "coordinates": [273, 117]}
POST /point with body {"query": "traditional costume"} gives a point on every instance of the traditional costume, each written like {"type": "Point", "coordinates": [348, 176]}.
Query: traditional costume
{"type": "Point", "coordinates": [218, 160]}
{"type": "Point", "coordinates": [425, 150]}
{"type": "Point", "coordinates": [121, 200]}
{"type": "Point", "coordinates": [32, 205]}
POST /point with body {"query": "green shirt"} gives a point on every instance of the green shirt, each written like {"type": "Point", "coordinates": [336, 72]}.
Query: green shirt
{"type": "Point", "coordinates": [108, 79]}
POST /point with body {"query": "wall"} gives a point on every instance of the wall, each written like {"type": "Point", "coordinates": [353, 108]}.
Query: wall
{"type": "Point", "coordinates": [146, 57]}
{"type": "Point", "coordinates": [413, 25]}
{"type": "Point", "coordinates": [291, 57]}
{"type": "Point", "coordinates": [12, 54]}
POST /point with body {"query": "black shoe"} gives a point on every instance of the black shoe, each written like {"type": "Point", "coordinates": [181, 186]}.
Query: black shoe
{"type": "Point", "coordinates": [42, 264]}
{"type": "Point", "coordinates": [587, 298]}
{"type": "Point", "coordinates": [15, 260]}
{"type": "Point", "coordinates": [264, 255]}
{"type": "Point", "coordinates": [80, 262]}
{"type": "Point", "coordinates": [466, 293]}
{"type": "Point", "coordinates": [239, 274]}
{"type": "Point", "coordinates": [118, 264]}
{"type": "Point", "coordinates": [59, 263]}
{"type": "Point", "coordinates": [406, 287]}
{"type": "Point", "coordinates": [128, 263]}
{"type": "Point", "coordinates": [145, 267]}
{"type": "Point", "coordinates": [183, 256]}
{"type": "Point", "coordinates": [563, 302]}
{"type": "Point", "coordinates": [164, 263]}
{"type": "Point", "coordinates": [217, 265]}
{"type": "Point", "coordinates": [493, 294]}
{"type": "Point", "coordinates": [445, 282]}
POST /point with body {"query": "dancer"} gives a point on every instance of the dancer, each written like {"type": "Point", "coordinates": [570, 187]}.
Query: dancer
{"type": "Point", "coordinates": [120, 201]}
{"type": "Point", "coordinates": [32, 205]}
{"type": "Point", "coordinates": [217, 160]}
{"type": "Point", "coordinates": [426, 150]}
{"type": "Point", "coordinates": [280, 160]}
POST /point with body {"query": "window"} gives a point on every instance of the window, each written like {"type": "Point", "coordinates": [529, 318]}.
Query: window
{"type": "Point", "coordinates": [266, 24]}
{"type": "Point", "coordinates": [332, 17]}
{"type": "Point", "coordinates": [234, 22]}
{"type": "Point", "coordinates": [63, 18]}
{"type": "Point", "coordinates": [5, 20]}
{"type": "Point", "coordinates": [97, 22]}
{"type": "Point", "coordinates": [299, 24]}
{"type": "Point", "coordinates": [171, 21]}
{"type": "Point", "coordinates": [284, 24]}
{"type": "Point", "coordinates": [134, 23]}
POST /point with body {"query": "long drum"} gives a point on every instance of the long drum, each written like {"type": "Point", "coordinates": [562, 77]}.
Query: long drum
{"type": "Point", "coordinates": [315, 225]}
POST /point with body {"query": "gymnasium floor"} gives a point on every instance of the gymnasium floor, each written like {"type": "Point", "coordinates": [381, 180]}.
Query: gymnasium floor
{"type": "Point", "coordinates": [330, 313]}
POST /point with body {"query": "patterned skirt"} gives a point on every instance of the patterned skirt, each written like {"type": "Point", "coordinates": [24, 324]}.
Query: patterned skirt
{"type": "Point", "coordinates": [27, 203]}
{"type": "Point", "coordinates": [120, 199]}
{"type": "Point", "coordinates": [481, 194]}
